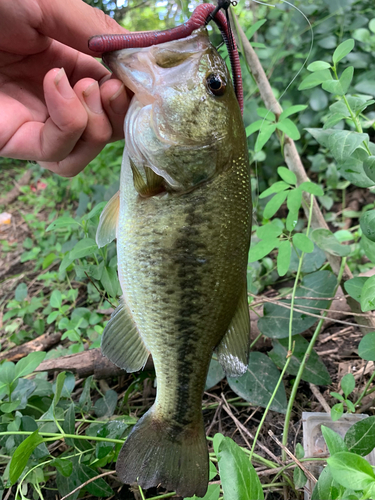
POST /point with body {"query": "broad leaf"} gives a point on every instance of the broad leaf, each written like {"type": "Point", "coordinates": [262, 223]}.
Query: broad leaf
{"type": "Point", "coordinates": [263, 248]}
{"type": "Point", "coordinates": [238, 477]}
{"type": "Point", "coordinates": [99, 487]}
{"type": "Point", "coordinates": [343, 143]}
{"type": "Point", "coordinates": [315, 79]}
{"type": "Point", "coordinates": [27, 365]}
{"type": "Point", "coordinates": [334, 441]}
{"type": "Point", "coordinates": [275, 320]}
{"type": "Point", "coordinates": [351, 471]}
{"type": "Point", "coordinates": [259, 382]}
{"type": "Point", "coordinates": [354, 287]}
{"type": "Point", "coordinates": [283, 257]}
{"type": "Point", "coordinates": [264, 134]}
{"type": "Point", "coordinates": [214, 375]}
{"type": "Point", "coordinates": [83, 248]}
{"type": "Point", "coordinates": [22, 455]}
{"type": "Point", "coordinates": [367, 222]}
{"type": "Point", "coordinates": [327, 242]}
{"type": "Point", "coordinates": [360, 438]}
{"type": "Point", "coordinates": [347, 384]}
{"type": "Point", "coordinates": [343, 50]}
{"type": "Point", "coordinates": [368, 295]}
{"type": "Point", "coordinates": [366, 348]}
{"type": "Point", "coordinates": [315, 370]}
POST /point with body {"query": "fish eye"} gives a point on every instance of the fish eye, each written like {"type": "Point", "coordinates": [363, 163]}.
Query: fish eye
{"type": "Point", "coordinates": [216, 84]}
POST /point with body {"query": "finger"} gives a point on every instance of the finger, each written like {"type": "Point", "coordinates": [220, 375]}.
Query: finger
{"type": "Point", "coordinates": [115, 101]}
{"type": "Point", "coordinates": [97, 134]}
{"type": "Point", "coordinates": [73, 22]}
{"type": "Point", "coordinates": [54, 139]}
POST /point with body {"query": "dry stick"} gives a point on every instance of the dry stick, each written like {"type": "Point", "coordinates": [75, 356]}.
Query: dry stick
{"type": "Point", "coordinates": [294, 162]}
{"type": "Point", "coordinates": [320, 398]}
{"type": "Point", "coordinates": [246, 431]}
{"type": "Point", "coordinates": [295, 459]}
{"type": "Point", "coordinates": [108, 473]}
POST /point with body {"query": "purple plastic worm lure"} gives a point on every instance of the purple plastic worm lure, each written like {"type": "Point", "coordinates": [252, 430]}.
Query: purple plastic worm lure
{"type": "Point", "coordinates": [200, 17]}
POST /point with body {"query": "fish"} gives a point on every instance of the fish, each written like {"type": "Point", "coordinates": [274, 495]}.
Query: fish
{"type": "Point", "coordinates": [182, 219]}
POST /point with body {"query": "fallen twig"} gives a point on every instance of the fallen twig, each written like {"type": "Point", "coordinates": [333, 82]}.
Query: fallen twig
{"type": "Point", "coordinates": [320, 398]}
{"type": "Point", "coordinates": [108, 473]}
{"type": "Point", "coordinates": [42, 343]}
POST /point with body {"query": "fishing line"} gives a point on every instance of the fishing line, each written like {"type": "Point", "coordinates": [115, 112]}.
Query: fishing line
{"type": "Point", "coordinates": [295, 76]}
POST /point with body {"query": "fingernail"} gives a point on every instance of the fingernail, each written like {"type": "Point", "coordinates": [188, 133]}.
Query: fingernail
{"type": "Point", "coordinates": [63, 86]}
{"type": "Point", "coordinates": [104, 79]}
{"type": "Point", "coordinates": [118, 102]}
{"type": "Point", "coordinates": [91, 96]}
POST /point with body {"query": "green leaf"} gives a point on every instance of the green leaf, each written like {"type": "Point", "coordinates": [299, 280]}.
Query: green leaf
{"type": "Point", "coordinates": [341, 86]}
{"type": "Point", "coordinates": [334, 441]}
{"type": "Point", "coordinates": [337, 396]}
{"type": "Point", "coordinates": [337, 411]}
{"type": "Point", "coordinates": [95, 211]}
{"type": "Point", "coordinates": [347, 384]}
{"type": "Point", "coordinates": [254, 27]}
{"type": "Point", "coordinates": [263, 248]}
{"type": "Point", "coordinates": [343, 50]}
{"type": "Point", "coordinates": [321, 135]}
{"type": "Point", "coordinates": [315, 79]}
{"type": "Point", "coordinates": [372, 25]}
{"type": "Point", "coordinates": [283, 257]}
{"type": "Point", "coordinates": [354, 287]}
{"type": "Point", "coordinates": [264, 135]}
{"type": "Point", "coordinates": [274, 204]}
{"type": "Point", "coordinates": [315, 370]}
{"type": "Point", "coordinates": [69, 424]}
{"type": "Point", "coordinates": [254, 127]}
{"type": "Point", "coordinates": [269, 230]}
{"type": "Point", "coordinates": [369, 248]}
{"type": "Point", "coordinates": [276, 187]}
{"type": "Point", "coordinates": [275, 320]}
{"type": "Point", "coordinates": [7, 372]}
{"type": "Point", "coordinates": [62, 222]}
{"type": "Point", "coordinates": [213, 493]}
{"type": "Point", "coordinates": [21, 292]}
{"type": "Point", "coordinates": [360, 437]}
{"type": "Point", "coordinates": [299, 478]}
{"type": "Point", "coordinates": [259, 382]}
{"type": "Point", "coordinates": [22, 454]}
{"type": "Point", "coordinates": [58, 388]}
{"type": "Point", "coordinates": [300, 452]}
{"type": "Point", "coordinates": [351, 471]}
{"type": "Point", "coordinates": [303, 242]}
{"type": "Point", "coordinates": [289, 128]}
{"type": "Point", "coordinates": [56, 299]}
{"type": "Point", "coordinates": [312, 188]}
{"type": "Point", "coordinates": [99, 487]}
{"type": "Point", "coordinates": [368, 295]}
{"type": "Point", "coordinates": [105, 407]}
{"type": "Point", "coordinates": [343, 143]}
{"type": "Point", "coordinates": [65, 467]}
{"type": "Point", "coordinates": [27, 365]}
{"type": "Point", "coordinates": [83, 248]}
{"type": "Point", "coordinates": [367, 222]}
{"type": "Point", "coordinates": [369, 167]}
{"type": "Point", "coordinates": [327, 242]}
{"type": "Point", "coordinates": [318, 66]}
{"type": "Point", "coordinates": [266, 114]}
{"type": "Point", "coordinates": [110, 281]}
{"type": "Point", "coordinates": [238, 476]}
{"type": "Point", "coordinates": [324, 488]}
{"type": "Point", "coordinates": [291, 111]}
{"type": "Point", "coordinates": [214, 375]}
{"type": "Point", "coordinates": [287, 175]}
{"type": "Point", "coordinates": [366, 348]}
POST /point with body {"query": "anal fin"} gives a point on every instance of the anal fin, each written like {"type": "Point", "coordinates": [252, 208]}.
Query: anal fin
{"type": "Point", "coordinates": [233, 350]}
{"type": "Point", "coordinates": [122, 343]}
{"type": "Point", "coordinates": [107, 227]}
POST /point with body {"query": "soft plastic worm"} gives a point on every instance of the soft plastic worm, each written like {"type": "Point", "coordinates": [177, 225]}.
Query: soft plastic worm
{"type": "Point", "coordinates": [200, 17]}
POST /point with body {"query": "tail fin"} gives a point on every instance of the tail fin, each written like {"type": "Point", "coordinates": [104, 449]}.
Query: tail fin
{"type": "Point", "coordinates": [156, 453]}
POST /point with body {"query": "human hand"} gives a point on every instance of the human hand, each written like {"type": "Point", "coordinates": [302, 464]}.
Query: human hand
{"type": "Point", "coordinates": [58, 105]}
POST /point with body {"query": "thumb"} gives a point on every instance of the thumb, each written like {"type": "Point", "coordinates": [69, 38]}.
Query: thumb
{"type": "Point", "coordinates": [73, 22]}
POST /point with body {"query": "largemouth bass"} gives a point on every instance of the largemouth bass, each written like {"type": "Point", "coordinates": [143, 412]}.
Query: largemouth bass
{"type": "Point", "coordinates": [182, 220]}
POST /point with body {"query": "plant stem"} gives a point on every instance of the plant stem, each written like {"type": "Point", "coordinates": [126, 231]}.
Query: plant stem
{"type": "Point", "coordinates": [52, 436]}
{"type": "Point", "coordinates": [304, 361]}
{"type": "Point", "coordinates": [363, 394]}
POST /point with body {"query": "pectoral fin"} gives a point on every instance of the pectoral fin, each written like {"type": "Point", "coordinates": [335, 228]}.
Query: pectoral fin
{"type": "Point", "coordinates": [233, 350]}
{"type": "Point", "coordinates": [122, 343]}
{"type": "Point", "coordinates": [106, 231]}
